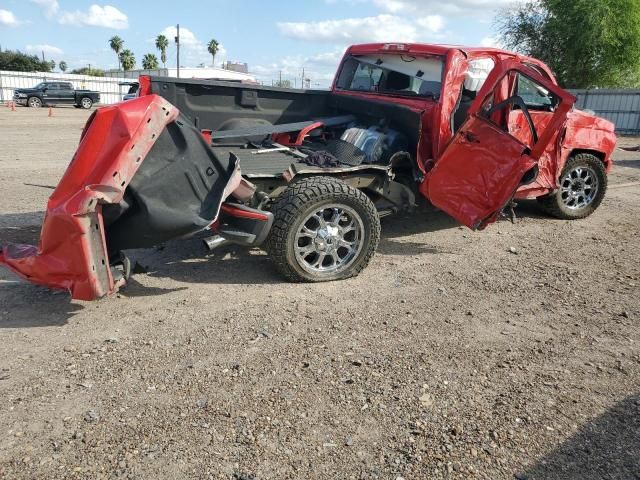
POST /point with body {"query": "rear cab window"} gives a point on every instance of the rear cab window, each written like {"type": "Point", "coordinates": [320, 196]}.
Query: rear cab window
{"type": "Point", "coordinates": [398, 75]}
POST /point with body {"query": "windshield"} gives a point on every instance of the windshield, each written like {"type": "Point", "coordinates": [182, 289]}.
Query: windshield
{"type": "Point", "coordinates": [405, 75]}
{"type": "Point", "coordinates": [41, 85]}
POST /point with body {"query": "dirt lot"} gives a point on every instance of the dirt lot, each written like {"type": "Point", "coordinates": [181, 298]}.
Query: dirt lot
{"type": "Point", "coordinates": [449, 357]}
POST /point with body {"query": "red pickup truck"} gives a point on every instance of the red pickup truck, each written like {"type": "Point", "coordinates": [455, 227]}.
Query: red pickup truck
{"type": "Point", "coordinates": [309, 173]}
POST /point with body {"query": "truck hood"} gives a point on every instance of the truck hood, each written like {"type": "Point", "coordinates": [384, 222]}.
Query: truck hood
{"type": "Point", "coordinates": [142, 175]}
{"type": "Point", "coordinates": [583, 119]}
{"type": "Point", "coordinates": [26, 90]}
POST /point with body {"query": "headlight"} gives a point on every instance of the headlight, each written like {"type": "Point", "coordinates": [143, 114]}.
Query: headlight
{"type": "Point", "coordinates": [21, 95]}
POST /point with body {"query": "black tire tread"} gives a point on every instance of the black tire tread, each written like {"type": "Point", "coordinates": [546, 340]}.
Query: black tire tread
{"type": "Point", "coordinates": [294, 200]}
{"type": "Point", "coordinates": [552, 203]}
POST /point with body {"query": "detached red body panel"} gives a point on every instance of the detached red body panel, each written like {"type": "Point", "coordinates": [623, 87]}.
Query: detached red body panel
{"type": "Point", "coordinates": [72, 253]}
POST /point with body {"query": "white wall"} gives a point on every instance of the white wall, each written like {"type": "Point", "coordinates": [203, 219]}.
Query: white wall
{"type": "Point", "coordinates": [110, 91]}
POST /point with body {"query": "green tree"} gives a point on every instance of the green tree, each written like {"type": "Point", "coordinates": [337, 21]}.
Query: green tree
{"type": "Point", "coordinates": [52, 64]}
{"type": "Point", "coordinates": [21, 62]}
{"type": "Point", "coordinates": [162, 43]}
{"type": "Point", "coordinates": [116, 44]}
{"type": "Point", "coordinates": [213, 48]}
{"type": "Point", "coordinates": [62, 65]}
{"type": "Point", "coordinates": [94, 72]}
{"type": "Point", "coordinates": [150, 61]}
{"type": "Point", "coordinates": [127, 59]}
{"type": "Point", "coordinates": [586, 43]}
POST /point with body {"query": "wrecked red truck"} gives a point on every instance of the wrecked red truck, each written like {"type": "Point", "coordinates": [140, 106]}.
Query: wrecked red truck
{"type": "Point", "coordinates": [308, 174]}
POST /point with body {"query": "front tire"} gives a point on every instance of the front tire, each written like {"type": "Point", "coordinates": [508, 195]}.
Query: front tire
{"type": "Point", "coordinates": [86, 103]}
{"type": "Point", "coordinates": [583, 184]}
{"type": "Point", "coordinates": [323, 230]}
{"type": "Point", "coordinates": [34, 102]}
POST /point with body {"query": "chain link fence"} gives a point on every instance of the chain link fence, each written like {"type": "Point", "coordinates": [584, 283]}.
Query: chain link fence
{"type": "Point", "coordinates": [109, 88]}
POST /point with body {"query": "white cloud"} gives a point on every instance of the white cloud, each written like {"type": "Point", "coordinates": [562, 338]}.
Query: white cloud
{"type": "Point", "coordinates": [48, 49]}
{"type": "Point", "coordinates": [381, 28]}
{"type": "Point", "coordinates": [49, 7]}
{"type": "Point", "coordinates": [491, 42]}
{"type": "Point", "coordinates": [8, 19]}
{"type": "Point", "coordinates": [433, 23]}
{"type": "Point", "coordinates": [97, 16]}
{"type": "Point", "coordinates": [447, 7]}
{"type": "Point", "coordinates": [319, 68]}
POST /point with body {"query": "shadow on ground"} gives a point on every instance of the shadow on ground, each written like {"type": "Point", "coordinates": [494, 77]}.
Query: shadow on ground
{"type": "Point", "coordinates": [607, 448]}
{"type": "Point", "coordinates": [627, 163]}
{"type": "Point", "coordinates": [188, 261]}
{"type": "Point", "coordinates": [31, 306]}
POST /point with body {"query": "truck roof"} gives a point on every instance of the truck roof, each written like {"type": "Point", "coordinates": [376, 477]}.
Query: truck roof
{"type": "Point", "coordinates": [423, 48]}
{"type": "Point", "coordinates": [443, 50]}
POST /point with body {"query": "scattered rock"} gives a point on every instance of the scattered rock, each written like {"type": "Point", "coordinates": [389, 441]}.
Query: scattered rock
{"type": "Point", "coordinates": [426, 400]}
{"type": "Point", "coordinates": [513, 250]}
{"type": "Point", "coordinates": [91, 416]}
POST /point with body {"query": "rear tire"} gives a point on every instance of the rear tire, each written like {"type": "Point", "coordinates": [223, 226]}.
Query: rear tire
{"type": "Point", "coordinates": [34, 102]}
{"type": "Point", "coordinates": [86, 103]}
{"type": "Point", "coordinates": [583, 184]}
{"type": "Point", "coordinates": [323, 230]}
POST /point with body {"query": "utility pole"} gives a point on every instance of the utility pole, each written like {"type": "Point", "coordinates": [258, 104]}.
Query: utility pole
{"type": "Point", "coordinates": [178, 45]}
{"type": "Point", "coordinates": [42, 56]}
{"type": "Point", "coordinates": [302, 84]}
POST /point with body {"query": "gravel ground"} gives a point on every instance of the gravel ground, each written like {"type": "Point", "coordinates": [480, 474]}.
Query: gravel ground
{"type": "Point", "coordinates": [449, 357]}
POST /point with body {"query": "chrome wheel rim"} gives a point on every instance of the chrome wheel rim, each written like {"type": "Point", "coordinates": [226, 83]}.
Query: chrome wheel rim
{"type": "Point", "coordinates": [579, 187]}
{"type": "Point", "coordinates": [86, 103]}
{"type": "Point", "coordinates": [329, 240]}
{"type": "Point", "coordinates": [35, 102]}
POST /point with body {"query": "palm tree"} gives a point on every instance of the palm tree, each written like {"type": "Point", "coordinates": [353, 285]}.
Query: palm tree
{"type": "Point", "coordinates": [62, 66]}
{"type": "Point", "coordinates": [150, 62]}
{"type": "Point", "coordinates": [116, 44]}
{"type": "Point", "coordinates": [213, 49]}
{"type": "Point", "coordinates": [161, 44]}
{"type": "Point", "coordinates": [127, 59]}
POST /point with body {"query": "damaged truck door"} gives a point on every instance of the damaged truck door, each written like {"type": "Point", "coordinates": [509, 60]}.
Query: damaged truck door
{"type": "Point", "coordinates": [481, 168]}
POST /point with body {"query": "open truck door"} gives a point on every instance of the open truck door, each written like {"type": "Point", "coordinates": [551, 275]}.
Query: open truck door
{"type": "Point", "coordinates": [481, 168]}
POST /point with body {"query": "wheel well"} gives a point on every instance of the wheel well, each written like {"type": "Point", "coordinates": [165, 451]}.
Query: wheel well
{"type": "Point", "coordinates": [599, 155]}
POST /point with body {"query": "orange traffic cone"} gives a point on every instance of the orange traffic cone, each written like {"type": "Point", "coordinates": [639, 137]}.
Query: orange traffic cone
{"type": "Point", "coordinates": [13, 106]}
{"type": "Point", "coordinates": [50, 112]}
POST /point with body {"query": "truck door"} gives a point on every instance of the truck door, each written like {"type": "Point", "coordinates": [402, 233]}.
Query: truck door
{"type": "Point", "coordinates": [49, 93]}
{"type": "Point", "coordinates": [483, 165]}
{"type": "Point", "coordinates": [67, 94]}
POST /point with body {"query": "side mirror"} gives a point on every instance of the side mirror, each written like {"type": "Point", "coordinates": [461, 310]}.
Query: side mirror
{"type": "Point", "coordinates": [44, 90]}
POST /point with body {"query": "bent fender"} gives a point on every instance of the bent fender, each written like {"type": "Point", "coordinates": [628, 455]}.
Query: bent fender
{"type": "Point", "coordinates": [141, 175]}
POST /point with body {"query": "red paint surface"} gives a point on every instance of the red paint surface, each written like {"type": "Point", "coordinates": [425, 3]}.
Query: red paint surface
{"type": "Point", "coordinates": [582, 131]}
{"type": "Point", "coordinates": [72, 252]}
{"type": "Point", "coordinates": [229, 209]}
{"type": "Point", "coordinates": [480, 170]}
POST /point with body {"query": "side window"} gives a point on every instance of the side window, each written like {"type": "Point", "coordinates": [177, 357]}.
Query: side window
{"type": "Point", "coordinates": [52, 86]}
{"type": "Point", "coordinates": [535, 96]}
{"type": "Point", "coordinates": [66, 86]}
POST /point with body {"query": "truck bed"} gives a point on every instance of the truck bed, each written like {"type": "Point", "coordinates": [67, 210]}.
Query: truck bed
{"type": "Point", "coordinates": [274, 164]}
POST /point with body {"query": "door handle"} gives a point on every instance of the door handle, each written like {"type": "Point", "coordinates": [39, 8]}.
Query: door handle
{"type": "Point", "coordinates": [471, 137]}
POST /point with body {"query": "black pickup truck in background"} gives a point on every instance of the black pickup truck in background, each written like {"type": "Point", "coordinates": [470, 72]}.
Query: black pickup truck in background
{"type": "Point", "coordinates": [55, 93]}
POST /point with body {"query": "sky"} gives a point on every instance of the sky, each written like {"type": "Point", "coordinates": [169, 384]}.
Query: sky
{"type": "Point", "coordinates": [272, 37]}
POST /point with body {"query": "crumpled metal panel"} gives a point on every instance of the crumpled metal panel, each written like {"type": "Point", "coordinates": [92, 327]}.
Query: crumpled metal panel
{"type": "Point", "coordinates": [72, 252]}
